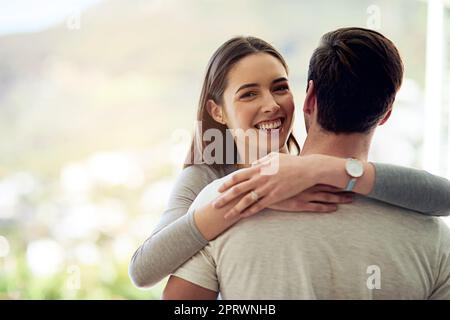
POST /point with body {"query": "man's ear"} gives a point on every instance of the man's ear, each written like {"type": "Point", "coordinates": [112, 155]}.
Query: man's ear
{"type": "Point", "coordinates": [386, 117]}
{"type": "Point", "coordinates": [215, 111]}
{"type": "Point", "coordinates": [310, 100]}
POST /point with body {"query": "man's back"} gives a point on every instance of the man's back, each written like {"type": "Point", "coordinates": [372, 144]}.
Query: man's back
{"type": "Point", "coordinates": [366, 250]}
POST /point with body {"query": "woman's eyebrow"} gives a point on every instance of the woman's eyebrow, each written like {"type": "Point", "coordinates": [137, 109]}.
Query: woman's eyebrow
{"type": "Point", "coordinates": [247, 86]}
{"type": "Point", "coordinates": [279, 80]}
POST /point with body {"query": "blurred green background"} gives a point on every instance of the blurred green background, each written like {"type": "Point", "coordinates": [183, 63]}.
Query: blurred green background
{"type": "Point", "coordinates": [95, 106]}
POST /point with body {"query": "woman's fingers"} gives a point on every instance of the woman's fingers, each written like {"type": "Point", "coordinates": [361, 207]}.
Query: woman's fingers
{"type": "Point", "coordinates": [236, 178]}
{"type": "Point", "coordinates": [325, 188]}
{"type": "Point", "coordinates": [255, 208]}
{"type": "Point", "coordinates": [263, 201]}
{"type": "Point", "coordinates": [240, 206]}
{"type": "Point", "coordinates": [233, 193]}
{"type": "Point", "coordinates": [291, 205]}
{"type": "Point", "coordinates": [320, 207]}
{"type": "Point", "coordinates": [247, 201]}
{"type": "Point", "coordinates": [248, 207]}
{"type": "Point", "coordinates": [329, 197]}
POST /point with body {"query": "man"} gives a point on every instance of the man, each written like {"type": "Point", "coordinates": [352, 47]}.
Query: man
{"type": "Point", "coordinates": [368, 249]}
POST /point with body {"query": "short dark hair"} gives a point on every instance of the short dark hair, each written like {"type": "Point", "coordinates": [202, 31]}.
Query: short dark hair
{"type": "Point", "coordinates": [356, 74]}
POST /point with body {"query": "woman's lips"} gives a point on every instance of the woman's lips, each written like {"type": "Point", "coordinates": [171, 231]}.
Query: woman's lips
{"type": "Point", "coordinates": [266, 123]}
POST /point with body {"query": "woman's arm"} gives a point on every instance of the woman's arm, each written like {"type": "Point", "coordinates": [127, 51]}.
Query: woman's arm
{"type": "Point", "coordinates": [176, 238]}
{"type": "Point", "coordinates": [181, 232]}
{"type": "Point", "coordinates": [409, 188]}
{"type": "Point", "coordinates": [414, 189]}
{"type": "Point", "coordinates": [164, 251]}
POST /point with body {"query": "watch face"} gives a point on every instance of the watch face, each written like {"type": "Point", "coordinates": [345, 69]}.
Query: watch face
{"type": "Point", "coordinates": [354, 168]}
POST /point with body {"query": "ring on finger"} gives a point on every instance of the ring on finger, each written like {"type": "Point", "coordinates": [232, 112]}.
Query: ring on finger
{"type": "Point", "coordinates": [254, 195]}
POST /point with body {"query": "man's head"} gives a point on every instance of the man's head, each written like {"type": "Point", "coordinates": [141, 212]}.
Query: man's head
{"type": "Point", "coordinates": [353, 78]}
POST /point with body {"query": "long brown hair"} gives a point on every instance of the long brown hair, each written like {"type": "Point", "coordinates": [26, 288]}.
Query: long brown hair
{"type": "Point", "coordinates": [214, 84]}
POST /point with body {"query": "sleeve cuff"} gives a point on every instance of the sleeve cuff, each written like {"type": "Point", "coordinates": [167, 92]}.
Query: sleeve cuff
{"type": "Point", "coordinates": [197, 279]}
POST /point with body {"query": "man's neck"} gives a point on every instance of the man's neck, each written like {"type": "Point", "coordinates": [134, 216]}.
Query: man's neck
{"type": "Point", "coordinates": [353, 145]}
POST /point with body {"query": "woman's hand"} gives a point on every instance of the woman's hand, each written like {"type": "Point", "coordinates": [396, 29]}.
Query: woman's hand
{"type": "Point", "coordinates": [275, 178]}
{"type": "Point", "coordinates": [320, 198]}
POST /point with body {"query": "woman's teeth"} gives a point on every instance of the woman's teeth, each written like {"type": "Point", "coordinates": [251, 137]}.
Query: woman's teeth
{"type": "Point", "coordinates": [269, 125]}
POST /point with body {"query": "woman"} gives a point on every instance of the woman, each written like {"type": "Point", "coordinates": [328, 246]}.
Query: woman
{"type": "Point", "coordinates": [246, 88]}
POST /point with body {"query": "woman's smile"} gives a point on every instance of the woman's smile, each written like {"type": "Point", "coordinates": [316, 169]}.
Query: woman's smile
{"type": "Point", "coordinates": [271, 125]}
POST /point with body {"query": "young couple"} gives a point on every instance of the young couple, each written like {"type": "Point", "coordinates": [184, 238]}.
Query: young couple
{"type": "Point", "coordinates": [253, 235]}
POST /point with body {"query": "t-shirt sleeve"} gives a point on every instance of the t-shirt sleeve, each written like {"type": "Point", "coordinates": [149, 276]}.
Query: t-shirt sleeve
{"type": "Point", "coordinates": [442, 285]}
{"type": "Point", "coordinates": [200, 270]}
{"type": "Point", "coordinates": [412, 189]}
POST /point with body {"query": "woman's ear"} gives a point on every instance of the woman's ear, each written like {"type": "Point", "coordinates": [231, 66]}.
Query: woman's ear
{"type": "Point", "coordinates": [215, 111]}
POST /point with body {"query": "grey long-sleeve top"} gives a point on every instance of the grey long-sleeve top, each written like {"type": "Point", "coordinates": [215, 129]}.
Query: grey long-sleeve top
{"type": "Point", "coordinates": [176, 237]}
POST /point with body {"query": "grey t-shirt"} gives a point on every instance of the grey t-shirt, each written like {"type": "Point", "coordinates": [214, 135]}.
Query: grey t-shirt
{"type": "Point", "coordinates": [176, 238]}
{"type": "Point", "coordinates": [366, 250]}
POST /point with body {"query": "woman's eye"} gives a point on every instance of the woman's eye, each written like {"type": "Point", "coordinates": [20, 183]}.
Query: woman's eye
{"type": "Point", "coordinates": [282, 88]}
{"type": "Point", "coordinates": [249, 94]}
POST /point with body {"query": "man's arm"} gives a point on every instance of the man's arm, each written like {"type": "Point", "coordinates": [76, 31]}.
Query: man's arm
{"type": "Point", "coordinates": [180, 289]}
{"type": "Point", "coordinates": [195, 279]}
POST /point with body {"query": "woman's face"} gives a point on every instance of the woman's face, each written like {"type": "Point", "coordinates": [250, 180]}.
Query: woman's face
{"type": "Point", "coordinates": [258, 98]}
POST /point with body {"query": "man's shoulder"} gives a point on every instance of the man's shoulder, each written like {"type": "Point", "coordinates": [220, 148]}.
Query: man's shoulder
{"type": "Point", "coordinates": [211, 189]}
{"type": "Point", "coordinates": [395, 215]}
{"type": "Point", "coordinates": [202, 170]}
{"type": "Point", "coordinates": [209, 192]}
{"type": "Point", "coordinates": [444, 231]}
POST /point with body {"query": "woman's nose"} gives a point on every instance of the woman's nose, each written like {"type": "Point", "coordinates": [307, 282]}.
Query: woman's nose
{"type": "Point", "coordinates": [270, 105]}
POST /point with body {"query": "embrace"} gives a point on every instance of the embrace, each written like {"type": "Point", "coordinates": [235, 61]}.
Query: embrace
{"type": "Point", "coordinates": [267, 219]}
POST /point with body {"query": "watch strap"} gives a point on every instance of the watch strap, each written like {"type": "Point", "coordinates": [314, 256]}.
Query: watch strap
{"type": "Point", "coordinates": [350, 184]}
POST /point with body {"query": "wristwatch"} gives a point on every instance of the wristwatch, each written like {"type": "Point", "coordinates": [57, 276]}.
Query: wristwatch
{"type": "Point", "coordinates": [354, 169]}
